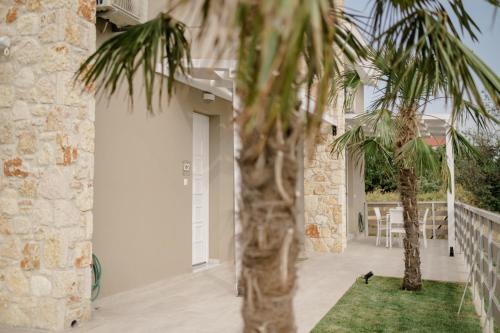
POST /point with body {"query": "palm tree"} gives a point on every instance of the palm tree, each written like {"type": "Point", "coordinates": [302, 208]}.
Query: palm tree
{"type": "Point", "coordinates": [285, 48]}
{"type": "Point", "coordinates": [394, 133]}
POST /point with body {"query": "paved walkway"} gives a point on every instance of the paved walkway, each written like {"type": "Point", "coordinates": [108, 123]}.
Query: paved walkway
{"type": "Point", "coordinates": [205, 302]}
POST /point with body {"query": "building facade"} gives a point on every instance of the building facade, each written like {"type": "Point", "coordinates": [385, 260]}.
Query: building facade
{"type": "Point", "coordinates": [152, 195]}
{"type": "Point", "coordinates": [47, 156]}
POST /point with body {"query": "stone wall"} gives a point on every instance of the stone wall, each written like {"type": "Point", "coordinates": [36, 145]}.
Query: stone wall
{"type": "Point", "coordinates": [46, 152]}
{"type": "Point", "coordinates": [325, 187]}
{"type": "Point", "coordinates": [324, 193]}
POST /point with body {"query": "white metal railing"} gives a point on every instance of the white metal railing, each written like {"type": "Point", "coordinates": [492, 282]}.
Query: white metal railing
{"type": "Point", "coordinates": [121, 11]}
{"type": "Point", "coordinates": [437, 219]}
{"type": "Point", "coordinates": [477, 233]}
{"type": "Point", "coordinates": [131, 7]}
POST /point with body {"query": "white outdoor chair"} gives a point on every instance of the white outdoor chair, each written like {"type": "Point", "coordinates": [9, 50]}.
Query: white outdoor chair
{"type": "Point", "coordinates": [381, 226]}
{"type": "Point", "coordinates": [396, 224]}
{"type": "Point", "coordinates": [423, 226]}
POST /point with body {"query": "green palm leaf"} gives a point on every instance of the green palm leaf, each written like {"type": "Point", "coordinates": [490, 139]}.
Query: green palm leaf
{"type": "Point", "coordinates": [425, 32]}
{"type": "Point", "coordinates": [139, 49]}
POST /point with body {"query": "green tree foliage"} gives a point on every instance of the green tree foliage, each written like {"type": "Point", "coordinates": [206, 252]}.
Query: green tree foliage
{"type": "Point", "coordinates": [481, 177]}
{"type": "Point", "coordinates": [377, 178]}
{"type": "Point", "coordinates": [391, 128]}
{"type": "Point", "coordinates": [385, 179]}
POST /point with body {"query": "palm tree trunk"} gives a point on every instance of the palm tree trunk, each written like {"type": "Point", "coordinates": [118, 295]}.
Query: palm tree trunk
{"type": "Point", "coordinates": [269, 235]}
{"type": "Point", "coordinates": [408, 192]}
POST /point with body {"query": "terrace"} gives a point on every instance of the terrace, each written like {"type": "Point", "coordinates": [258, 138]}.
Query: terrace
{"type": "Point", "coordinates": [205, 301]}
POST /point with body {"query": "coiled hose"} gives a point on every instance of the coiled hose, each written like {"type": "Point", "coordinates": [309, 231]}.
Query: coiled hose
{"type": "Point", "coordinates": [96, 271]}
{"type": "Point", "coordinates": [361, 223]}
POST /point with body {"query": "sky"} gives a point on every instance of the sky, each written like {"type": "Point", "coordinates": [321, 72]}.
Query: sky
{"type": "Point", "coordinates": [487, 48]}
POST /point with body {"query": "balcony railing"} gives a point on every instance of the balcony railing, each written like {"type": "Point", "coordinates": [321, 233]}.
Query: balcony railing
{"type": "Point", "coordinates": [478, 236]}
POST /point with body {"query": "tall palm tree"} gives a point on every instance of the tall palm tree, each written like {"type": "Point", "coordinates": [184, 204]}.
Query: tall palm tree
{"type": "Point", "coordinates": [394, 133]}
{"type": "Point", "coordinates": [285, 48]}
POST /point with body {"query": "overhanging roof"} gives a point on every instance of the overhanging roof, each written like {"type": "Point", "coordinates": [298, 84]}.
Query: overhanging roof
{"type": "Point", "coordinates": [217, 76]}
{"type": "Point", "coordinates": [364, 69]}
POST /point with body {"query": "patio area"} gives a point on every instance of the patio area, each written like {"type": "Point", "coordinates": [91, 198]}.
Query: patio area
{"type": "Point", "coordinates": [205, 301]}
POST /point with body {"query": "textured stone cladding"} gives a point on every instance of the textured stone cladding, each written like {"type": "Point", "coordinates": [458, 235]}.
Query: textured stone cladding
{"type": "Point", "coordinates": [324, 193]}
{"type": "Point", "coordinates": [46, 156]}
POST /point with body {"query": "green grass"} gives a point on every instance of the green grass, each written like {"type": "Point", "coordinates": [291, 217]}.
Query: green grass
{"type": "Point", "coordinates": [381, 306]}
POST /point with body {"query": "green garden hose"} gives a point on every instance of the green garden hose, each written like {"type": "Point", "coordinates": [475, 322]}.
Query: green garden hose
{"type": "Point", "coordinates": [96, 271]}
{"type": "Point", "coordinates": [361, 223]}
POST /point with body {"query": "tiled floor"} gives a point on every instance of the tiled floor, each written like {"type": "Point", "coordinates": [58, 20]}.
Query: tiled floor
{"type": "Point", "coordinates": [205, 301]}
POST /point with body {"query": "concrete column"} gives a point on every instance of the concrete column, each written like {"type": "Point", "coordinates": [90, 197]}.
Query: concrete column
{"type": "Point", "coordinates": [46, 152]}
{"type": "Point", "coordinates": [237, 194]}
{"type": "Point", "coordinates": [451, 193]}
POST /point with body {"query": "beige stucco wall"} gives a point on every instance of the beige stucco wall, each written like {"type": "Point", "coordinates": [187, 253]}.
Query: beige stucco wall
{"type": "Point", "coordinates": [356, 197]}
{"type": "Point", "coordinates": [217, 40]}
{"type": "Point", "coordinates": [156, 6]}
{"type": "Point", "coordinates": [142, 223]}
{"type": "Point", "coordinates": [221, 176]}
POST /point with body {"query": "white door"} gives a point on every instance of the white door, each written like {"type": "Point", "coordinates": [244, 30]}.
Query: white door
{"type": "Point", "coordinates": [200, 188]}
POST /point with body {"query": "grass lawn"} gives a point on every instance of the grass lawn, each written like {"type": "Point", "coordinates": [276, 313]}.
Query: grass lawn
{"type": "Point", "coordinates": [381, 306]}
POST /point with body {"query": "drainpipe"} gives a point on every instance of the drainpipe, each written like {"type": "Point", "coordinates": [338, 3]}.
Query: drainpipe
{"type": "Point", "coordinates": [451, 193]}
{"type": "Point", "coordinates": [300, 203]}
{"type": "Point", "coordinates": [237, 193]}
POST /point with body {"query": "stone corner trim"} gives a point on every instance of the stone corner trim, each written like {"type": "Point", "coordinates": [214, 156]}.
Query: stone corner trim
{"type": "Point", "coordinates": [324, 197]}
{"type": "Point", "coordinates": [46, 156]}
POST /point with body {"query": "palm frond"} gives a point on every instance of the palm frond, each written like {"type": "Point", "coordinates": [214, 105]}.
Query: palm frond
{"type": "Point", "coordinates": [373, 146]}
{"type": "Point", "coordinates": [380, 124]}
{"type": "Point", "coordinates": [462, 148]}
{"type": "Point", "coordinates": [305, 52]}
{"type": "Point", "coordinates": [445, 170]}
{"type": "Point", "coordinates": [352, 139]}
{"type": "Point", "coordinates": [359, 145]}
{"type": "Point", "coordinates": [417, 154]}
{"type": "Point", "coordinates": [347, 84]}
{"type": "Point", "coordinates": [425, 31]}
{"type": "Point", "coordinates": [139, 49]}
